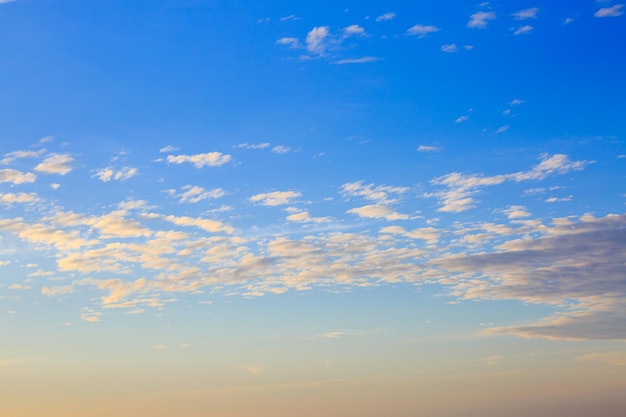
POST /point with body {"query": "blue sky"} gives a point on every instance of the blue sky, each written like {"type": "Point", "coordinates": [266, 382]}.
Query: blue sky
{"type": "Point", "coordinates": [290, 203]}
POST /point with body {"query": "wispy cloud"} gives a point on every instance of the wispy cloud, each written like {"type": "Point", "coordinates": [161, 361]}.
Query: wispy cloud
{"type": "Point", "coordinates": [613, 11]}
{"type": "Point", "coordinates": [422, 30]}
{"type": "Point", "coordinates": [386, 17]}
{"type": "Point", "coordinates": [480, 20]}
{"type": "Point", "coordinates": [275, 198]}
{"type": "Point", "coordinates": [526, 14]}
{"type": "Point", "coordinates": [212, 159]}
{"type": "Point", "coordinates": [56, 164]}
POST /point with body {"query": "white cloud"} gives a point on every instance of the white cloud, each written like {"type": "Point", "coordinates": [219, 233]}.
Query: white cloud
{"type": "Point", "coordinates": [316, 40]}
{"type": "Point", "coordinates": [461, 187]}
{"type": "Point", "coordinates": [422, 30]}
{"type": "Point", "coordinates": [523, 30]}
{"type": "Point", "coordinates": [378, 212]}
{"type": "Point", "coordinates": [280, 149]}
{"type": "Point", "coordinates": [16, 177]}
{"type": "Point", "coordinates": [305, 217]}
{"type": "Point", "coordinates": [212, 159]}
{"type": "Point", "coordinates": [502, 129]}
{"type": "Point", "coordinates": [480, 19]}
{"type": "Point", "coordinates": [290, 42]}
{"type": "Point", "coordinates": [362, 60]}
{"type": "Point", "coordinates": [56, 164]}
{"type": "Point", "coordinates": [13, 156]}
{"type": "Point", "coordinates": [275, 198]}
{"type": "Point", "coordinates": [526, 14]}
{"type": "Point", "coordinates": [195, 194]}
{"type": "Point", "coordinates": [108, 174]}
{"type": "Point", "coordinates": [612, 11]}
{"type": "Point", "coordinates": [385, 17]}
{"type": "Point", "coordinates": [449, 48]}
{"type": "Point", "coordinates": [22, 198]}
{"type": "Point", "coordinates": [353, 30]}
{"type": "Point", "coordinates": [426, 148]}
{"type": "Point", "coordinates": [254, 146]}
{"type": "Point", "coordinates": [381, 194]}
{"type": "Point", "coordinates": [168, 148]}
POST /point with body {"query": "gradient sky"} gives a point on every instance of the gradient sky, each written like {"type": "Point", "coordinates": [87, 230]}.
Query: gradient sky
{"type": "Point", "coordinates": [238, 208]}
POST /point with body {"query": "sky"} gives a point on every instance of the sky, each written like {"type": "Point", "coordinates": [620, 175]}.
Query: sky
{"type": "Point", "coordinates": [238, 208]}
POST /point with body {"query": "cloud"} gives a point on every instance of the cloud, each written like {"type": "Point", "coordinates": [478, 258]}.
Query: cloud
{"type": "Point", "coordinates": [316, 40]}
{"type": "Point", "coordinates": [523, 30]}
{"type": "Point", "coordinates": [13, 156]}
{"type": "Point", "coordinates": [427, 148]}
{"type": "Point", "coordinates": [422, 30]}
{"type": "Point", "coordinates": [16, 177]}
{"type": "Point", "coordinates": [195, 194]}
{"type": "Point", "coordinates": [56, 164]}
{"type": "Point", "coordinates": [378, 212]}
{"type": "Point", "coordinates": [275, 198]}
{"type": "Point", "coordinates": [362, 60]}
{"type": "Point", "coordinates": [381, 194]}
{"type": "Point", "coordinates": [290, 42]}
{"type": "Point", "coordinates": [480, 19]}
{"type": "Point", "coordinates": [526, 14]}
{"type": "Point", "coordinates": [212, 159]}
{"type": "Point", "coordinates": [578, 266]}
{"type": "Point", "coordinates": [168, 148]}
{"type": "Point", "coordinates": [462, 187]}
{"type": "Point", "coordinates": [280, 149]}
{"type": "Point", "coordinates": [22, 198]}
{"type": "Point", "coordinates": [385, 17]}
{"type": "Point", "coordinates": [612, 11]}
{"type": "Point", "coordinates": [449, 48]}
{"type": "Point", "coordinates": [108, 174]}
{"type": "Point", "coordinates": [254, 146]}
{"type": "Point", "coordinates": [353, 30]}
{"type": "Point", "coordinates": [304, 217]}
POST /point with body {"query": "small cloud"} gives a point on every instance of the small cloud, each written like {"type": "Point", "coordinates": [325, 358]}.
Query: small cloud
{"type": "Point", "coordinates": [316, 40]}
{"type": "Point", "coordinates": [612, 11]}
{"type": "Point", "coordinates": [502, 129]}
{"type": "Point", "coordinates": [212, 159]}
{"type": "Point", "coordinates": [108, 174]}
{"type": "Point", "coordinates": [449, 48]}
{"type": "Point", "coordinates": [378, 212]}
{"type": "Point", "coordinates": [254, 146]}
{"type": "Point", "coordinates": [56, 164]}
{"type": "Point", "coordinates": [275, 198]}
{"type": "Point", "coordinates": [426, 148]}
{"type": "Point", "coordinates": [480, 20]}
{"type": "Point", "coordinates": [523, 30]}
{"type": "Point", "coordinates": [281, 149]}
{"type": "Point", "coordinates": [290, 42]}
{"type": "Point", "coordinates": [385, 17]}
{"type": "Point", "coordinates": [353, 30]}
{"type": "Point", "coordinates": [362, 60]}
{"type": "Point", "coordinates": [526, 14]}
{"type": "Point", "coordinates": [168, 148]}
{"type": "Point", "coordinates": [422, 30]}
{"type": "Point", "coordinates": [558, 200]}
{"type": "Point", "coordinates": [251, 369]}
{"type": "Point", "coordinates": [461, 119]}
